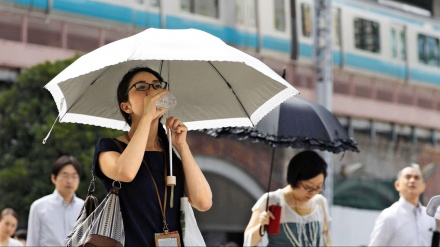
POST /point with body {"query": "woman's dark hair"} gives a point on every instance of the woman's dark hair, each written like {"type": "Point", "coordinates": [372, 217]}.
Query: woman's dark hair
{"type": "Point", "coordinates": [63, 161]}
{"type": "Point", "coordinates": [123, 87]}
{"type": "Point", "coordinates": [304, 166]}
{"type": "Point", "coordinates": [8, 211]}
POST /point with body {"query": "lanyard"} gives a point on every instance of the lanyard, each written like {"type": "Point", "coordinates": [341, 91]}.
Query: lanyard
{"type": "Point", "coordinates": [164, 207]}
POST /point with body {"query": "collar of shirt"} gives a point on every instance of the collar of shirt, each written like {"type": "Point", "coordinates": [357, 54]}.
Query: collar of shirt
{"type": "Point", "coordinates": [59, 199]}
{"type": "Point", "coordinates": [409, 206]}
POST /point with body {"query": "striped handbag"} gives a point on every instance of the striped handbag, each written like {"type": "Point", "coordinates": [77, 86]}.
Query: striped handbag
{"type": "Point", "coordinates": [100, 226]}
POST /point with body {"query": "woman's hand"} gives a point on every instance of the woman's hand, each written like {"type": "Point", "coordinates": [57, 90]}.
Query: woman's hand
{"type": "Point", "coordinates": [265, 217]}
{"type": "Point", "coordinates": [150, 100]}
{"type": "Point", "coordinates": [258, 220]}
{"type": "Point", "coordinates": [178, 130]}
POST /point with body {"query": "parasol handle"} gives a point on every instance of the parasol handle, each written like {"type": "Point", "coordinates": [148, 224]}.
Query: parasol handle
{"type": "Point", "coordinates": [170, 147]}
{"type": "Point", "coordinates": [263, 229]}
{"type": "Point", "coordinates": [171, 180]}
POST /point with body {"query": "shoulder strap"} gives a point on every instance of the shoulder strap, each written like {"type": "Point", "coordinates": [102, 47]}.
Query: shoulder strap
{"type": "Point", "coordinates": [118, 144]}
{"type": "Point", "coordinates": [91, 202]}
{"type": "Point", "coordinates": [92, 182]}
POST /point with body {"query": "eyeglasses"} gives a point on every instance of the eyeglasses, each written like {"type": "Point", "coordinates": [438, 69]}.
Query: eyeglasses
{"type": "Point", "coordinates": [144, 86]}
{"type": "Point", "coordinates": [310, 189]}
{"type": "Point", "coordinates": [66, 176]}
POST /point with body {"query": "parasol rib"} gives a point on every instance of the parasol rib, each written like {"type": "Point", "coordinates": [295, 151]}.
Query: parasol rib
{"type": "Point", "coordinates": [84, 91]}
{"type": "Point", "coordinates": [229, 85]}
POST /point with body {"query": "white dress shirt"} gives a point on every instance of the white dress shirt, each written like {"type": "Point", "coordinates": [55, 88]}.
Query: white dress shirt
{"type": "Point", "coordinates": [403, 224]}
{"type": "Point", "coordinates": [51, 220]}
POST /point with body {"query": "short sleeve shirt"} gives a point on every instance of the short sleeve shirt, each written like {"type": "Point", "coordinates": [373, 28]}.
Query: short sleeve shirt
{"type": "Point", "coordinates": [139, 203]}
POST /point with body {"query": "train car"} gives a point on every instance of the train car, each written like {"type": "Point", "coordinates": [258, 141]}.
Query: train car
{"type": "Point", "coordinates": [368, 37]}
{"type": "Point", "coordinates": [380, 40]}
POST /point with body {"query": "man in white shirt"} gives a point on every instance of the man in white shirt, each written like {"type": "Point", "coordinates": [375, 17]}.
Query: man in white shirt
{"type": "Point", "coordinates": [405, 223]}
{"type": "Point", "coordinates": [52, 217]}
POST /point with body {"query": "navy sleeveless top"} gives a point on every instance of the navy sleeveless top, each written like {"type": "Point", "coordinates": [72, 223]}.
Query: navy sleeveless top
{"type": "Point", "coordinates": [139, 205]}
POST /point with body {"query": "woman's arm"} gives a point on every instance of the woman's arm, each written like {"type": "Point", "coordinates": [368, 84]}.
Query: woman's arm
{"type": "Point", "coordinates": [124, 167]}
{"type": "Point", "coordinates": [196, 186]}
{"type": "Point", "coordinates": [258, 219]}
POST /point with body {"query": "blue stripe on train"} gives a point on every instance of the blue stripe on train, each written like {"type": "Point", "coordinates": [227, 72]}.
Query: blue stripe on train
{"type": "Point", "coordinates": [31, 3]}
{"type": "Point", "coordinates": [96, 10]}
{"type": "Point", "coordinates": [227, 34]}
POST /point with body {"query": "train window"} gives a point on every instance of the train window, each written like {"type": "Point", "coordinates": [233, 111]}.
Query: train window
{"type": "Point", "coordinates": [245, 14]}
{"type": "Point", "coordinates": [306, 19]}
{"type": "Point", "coordinates": [279, 15]}
{"type": "Point", "coordinates": [208, 8]}
{"type": "Point", "coordinates": [398, 43]}
{"type": "Point", "coordinates": [428, 50]}
{"type": "Point", "coordinates": [366, 35]}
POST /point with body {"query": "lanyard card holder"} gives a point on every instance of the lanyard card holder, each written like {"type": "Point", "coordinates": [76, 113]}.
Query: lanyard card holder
{"type": "Point", "coordinates": [167, 239]}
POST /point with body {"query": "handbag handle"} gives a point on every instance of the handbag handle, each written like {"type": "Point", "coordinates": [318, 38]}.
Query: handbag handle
{"type": "Point", "coordinates": [91, 201]}
{"type": "Point", "coordinates": [91, 188]}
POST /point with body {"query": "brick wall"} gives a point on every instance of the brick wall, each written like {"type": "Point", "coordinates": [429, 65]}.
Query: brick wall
{"type": "Point", "coordinates": [382, 158]}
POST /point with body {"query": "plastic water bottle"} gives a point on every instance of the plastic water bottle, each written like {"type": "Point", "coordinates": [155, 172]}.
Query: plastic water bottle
{"type": "Point", "coordinates": [168, 101]}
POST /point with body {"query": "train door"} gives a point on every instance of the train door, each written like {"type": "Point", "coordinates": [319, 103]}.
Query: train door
{"type": "Point", "coordinates": [398, 51]}
{"type": "Point", "coordinates": [304, 29]}
{"type": "Point", "coordinates": [245, 21]}
{"type": "Point", "coordinates": [338, 53]}
{"type": "Point", "coordinates": [293, 36]}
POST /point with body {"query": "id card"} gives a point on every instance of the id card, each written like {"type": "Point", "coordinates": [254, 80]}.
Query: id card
{"type": "Point", "coordinates": [166, 240]}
